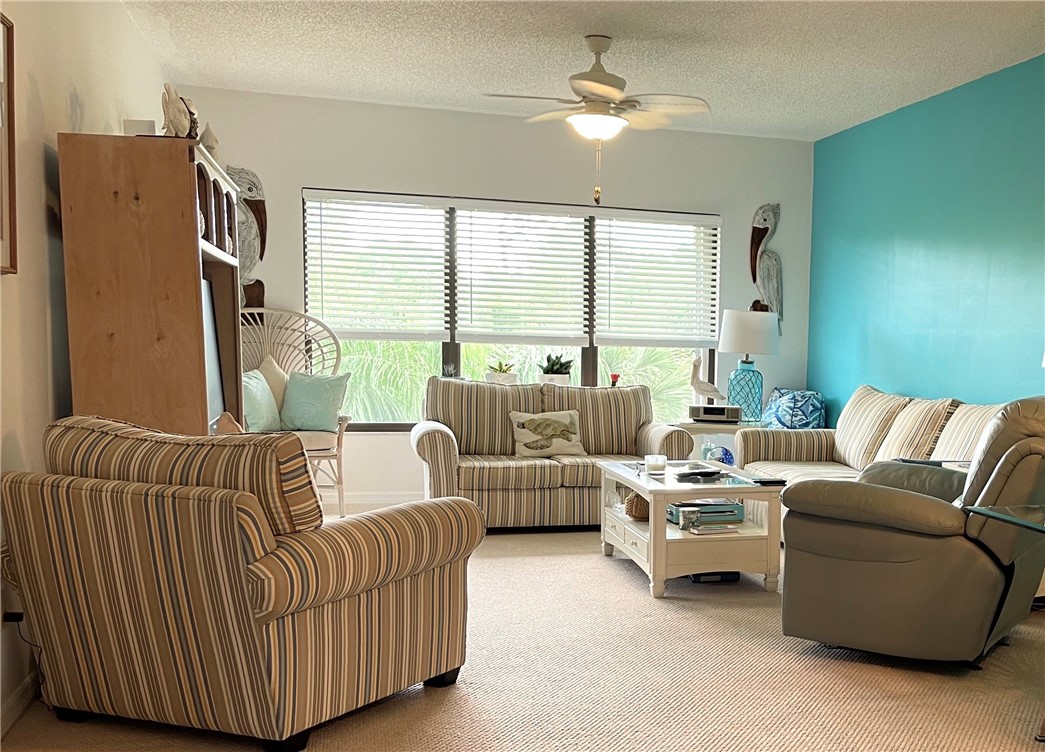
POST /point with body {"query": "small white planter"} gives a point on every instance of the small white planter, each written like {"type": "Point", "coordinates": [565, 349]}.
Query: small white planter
{"type": "Point", "coordinates": [502, 378]}
{"type": "Point", "coordinates": [562, 379]}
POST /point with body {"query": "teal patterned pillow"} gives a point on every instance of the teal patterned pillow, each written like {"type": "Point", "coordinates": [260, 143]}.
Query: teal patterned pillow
{"type": "Point", "coordinates": [259, 406]}
{"type": "Point", "coordinates": [313, 402]}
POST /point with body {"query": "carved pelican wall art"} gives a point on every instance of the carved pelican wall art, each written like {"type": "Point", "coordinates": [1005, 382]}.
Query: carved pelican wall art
{"type": "Point", "coordinates": [766, 271]}
{"type": "Point", "coordinates": [252, 226]}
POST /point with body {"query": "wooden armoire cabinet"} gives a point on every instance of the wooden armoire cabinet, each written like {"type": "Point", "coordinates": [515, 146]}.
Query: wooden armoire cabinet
{"type": "Point", "coordinates": [151, 281]}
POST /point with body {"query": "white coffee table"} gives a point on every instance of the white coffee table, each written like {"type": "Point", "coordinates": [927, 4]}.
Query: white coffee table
{"type": "Point", "coordinates": [664, 551]}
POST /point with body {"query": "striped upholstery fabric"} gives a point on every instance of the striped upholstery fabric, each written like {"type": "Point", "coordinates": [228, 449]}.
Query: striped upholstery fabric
{"type": "Point", "coordinates": [331, 659]}
{"type": "Point", "coordinates": [477, 412]}
{"type": "Point", "coordinates": [916, 430]}
{"type": "Point", "coordinates": [584, 471]}
{"type": "Point", "coordinates": [795, 471]}
{"type": "Point", "coordinates": [271, 466]}
{"type": "Point", "coordinates": [802, 445]}
{"type": "Point", "coordinates": [150, 602]}
{"type": "Point", "coordinates": [660, 438]}
{"type": "Point", "coordinates": [308, 569]}
{"type": "Point", "coordinates": [610, 417]}
{"type": "Point", "coordinates": [521, 507]}
{"type": "Point", "coordinates": [863, 424]}
{"type": "Point", "coordinates": [436, 445]}
{"type": "Point", "coordinates": [137, 599]}
{"type": "Point", "coordinates": [962, 432]}
{"type": "Point", "coordinates": [7, 566]}
{"type": "Point", "coordinates": [498, 471]}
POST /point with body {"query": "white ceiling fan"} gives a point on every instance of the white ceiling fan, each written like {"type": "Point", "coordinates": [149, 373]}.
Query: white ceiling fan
{"type": "Point", "coordinates": [602, 109]}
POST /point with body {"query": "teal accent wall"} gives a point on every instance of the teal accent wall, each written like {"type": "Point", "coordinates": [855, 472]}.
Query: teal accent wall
{"type": "Point", "coordinates": [927, 274]}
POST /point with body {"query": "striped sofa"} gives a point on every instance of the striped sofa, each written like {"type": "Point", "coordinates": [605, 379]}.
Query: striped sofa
{"type": "Point", "coordinates": [873, 426]}
{"type": "Point", "coordinates": [467, 446]}
{"type": "Point", "coordinates": [193, 581]}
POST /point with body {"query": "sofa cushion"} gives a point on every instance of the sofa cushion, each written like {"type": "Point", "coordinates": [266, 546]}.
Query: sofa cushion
{"type": "Point", "coordinates": [546, 434]}
{"type": "Point", "coordinates": [483, 472]}
{"type": "Point", "coordinates": [916, 430]}
{"type": "Point", "coordinates": [795, 471]}
{"type": "Point", "coordinates": [962, 432]}
{"type": "Point", "coordinates": [610, 416]}
{"type": "Point", "coordinates": [271, 466]}
{"type": "Point", "coordinates": [477, 412]}
{"type": "Point", "coordinates": [863, 424]}
{"type": "Point", "coordinates": [584, 472]}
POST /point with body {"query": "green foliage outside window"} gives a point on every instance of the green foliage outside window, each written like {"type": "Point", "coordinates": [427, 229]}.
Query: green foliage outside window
{"type": "Point", "coordinates": [388, 377]}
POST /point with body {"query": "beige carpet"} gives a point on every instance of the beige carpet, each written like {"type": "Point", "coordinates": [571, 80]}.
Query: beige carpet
{"type": "Point", "coordinates": [567, 651]}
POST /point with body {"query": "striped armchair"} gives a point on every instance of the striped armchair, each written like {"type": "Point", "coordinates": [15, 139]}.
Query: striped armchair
{"type": "Point", "coordinates": [467, 446]}
{"type": "Point", "coordinates": [193, 581]}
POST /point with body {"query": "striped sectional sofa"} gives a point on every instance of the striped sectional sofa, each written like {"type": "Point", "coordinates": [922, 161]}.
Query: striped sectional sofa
{"type": "Point", "coordinates": [468, 447]}
{"type": "Point", "coordinates": [193, 581]}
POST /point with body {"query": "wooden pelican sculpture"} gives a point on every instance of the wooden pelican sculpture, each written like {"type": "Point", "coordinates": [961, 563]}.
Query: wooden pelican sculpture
{"type": "Point", "coordinates": [766, 271]}
{"type": "Point", "coordinates": [252, 228]}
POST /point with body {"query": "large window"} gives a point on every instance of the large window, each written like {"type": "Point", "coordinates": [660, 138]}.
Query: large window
{"type": "Point", "coordinates": [417, 286]}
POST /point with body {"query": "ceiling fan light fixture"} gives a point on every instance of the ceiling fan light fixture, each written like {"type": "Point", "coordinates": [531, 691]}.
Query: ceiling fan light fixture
{"type": "Point", "coordinates": [596, 126]}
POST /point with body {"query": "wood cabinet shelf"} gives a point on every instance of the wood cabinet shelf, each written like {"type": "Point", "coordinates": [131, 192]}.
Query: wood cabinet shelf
{"type": "Point", "coordinates": [152, 281]}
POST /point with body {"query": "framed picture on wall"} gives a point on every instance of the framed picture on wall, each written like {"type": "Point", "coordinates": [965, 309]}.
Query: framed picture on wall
{"type": "Point", "coordinates": [8, 247]}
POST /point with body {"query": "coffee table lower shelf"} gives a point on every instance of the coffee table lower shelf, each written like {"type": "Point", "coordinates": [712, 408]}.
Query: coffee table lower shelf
{"type": "Point", "coordinates": [743, 551]}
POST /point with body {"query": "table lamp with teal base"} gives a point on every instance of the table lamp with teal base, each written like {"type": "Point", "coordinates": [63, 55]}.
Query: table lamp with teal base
{"type": "Point", "coordinates": [748, 332]}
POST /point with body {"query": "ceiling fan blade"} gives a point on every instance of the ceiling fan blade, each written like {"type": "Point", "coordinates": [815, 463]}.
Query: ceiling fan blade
{"type": "Point", "coordinates": [594, 90]}
{"type": "Point", "coordinates": [641, 120]}
{"type": "Point", "coordinates": [524, 96]}
{"type": "Point", "coordinates": [554, 115]}
{"type": "Point", "coordinates": [673, 104]}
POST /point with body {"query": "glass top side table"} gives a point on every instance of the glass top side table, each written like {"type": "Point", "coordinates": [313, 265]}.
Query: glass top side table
{"type": "Point", "coordinates": [1029, 517]}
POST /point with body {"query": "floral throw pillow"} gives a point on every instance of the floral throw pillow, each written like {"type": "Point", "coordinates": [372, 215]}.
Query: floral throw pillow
{"type": "Point", "coordinates": [546, 434]}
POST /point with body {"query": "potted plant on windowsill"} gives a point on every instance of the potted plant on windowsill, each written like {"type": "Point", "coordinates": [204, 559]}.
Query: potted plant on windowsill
{"type": "Point", "coordinates": [555, 370]}
{"type": "Point", "coordinates": [502, 373]}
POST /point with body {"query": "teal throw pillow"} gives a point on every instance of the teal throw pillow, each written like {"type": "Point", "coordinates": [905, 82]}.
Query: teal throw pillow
{"type": "Point", "coordinates": [259, 406]}
{"type": "Point", "coordinates": [313, 402]}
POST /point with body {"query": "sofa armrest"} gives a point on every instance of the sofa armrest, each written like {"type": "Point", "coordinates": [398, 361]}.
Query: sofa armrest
{"type": "Point", "coordinates": [355, 554]}
{"type": "Point", "coordinates": [874, 505]}
{"type": "Point", "coordinates": [660, 438]}
{"type": "Point", "coordinates": [801, 445]}
{"type": "Point", "coordinates": [436, 445]}
{"type": "Point", "coordinates": [938, 482]}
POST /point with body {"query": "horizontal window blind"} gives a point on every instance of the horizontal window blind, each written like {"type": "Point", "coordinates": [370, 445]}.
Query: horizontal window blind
{"type": "Point", "coordinates": [377, 269]}
{"type": "Point", "coordinates": [520, 277]}
{"type": "Point", "coordinates": [401, 267]}
{"type": "Point", "coordinates": [656, 282]}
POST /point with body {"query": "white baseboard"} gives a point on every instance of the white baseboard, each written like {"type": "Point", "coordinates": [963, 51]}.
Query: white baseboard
{"type": "Point", "coordinates": [361, 501]}
{"type": "Point", "coordinates": [17, 702]}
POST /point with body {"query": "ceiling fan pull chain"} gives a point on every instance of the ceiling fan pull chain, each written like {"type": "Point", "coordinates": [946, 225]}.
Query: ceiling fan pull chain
{"type": "Point", "coordinates": [598, 171]}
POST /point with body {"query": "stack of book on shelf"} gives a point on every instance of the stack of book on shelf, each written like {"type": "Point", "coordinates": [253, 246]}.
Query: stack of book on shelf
{"type": "Point", "coordinates": [714, 529]}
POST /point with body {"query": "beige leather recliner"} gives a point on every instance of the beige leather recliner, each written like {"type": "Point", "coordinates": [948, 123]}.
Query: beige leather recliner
{"type": "Point", "coordinates": [892, 563]}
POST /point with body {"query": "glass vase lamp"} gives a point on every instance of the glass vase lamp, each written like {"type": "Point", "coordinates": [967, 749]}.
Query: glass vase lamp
{"type": "Point", "coordinates": [749, 333]}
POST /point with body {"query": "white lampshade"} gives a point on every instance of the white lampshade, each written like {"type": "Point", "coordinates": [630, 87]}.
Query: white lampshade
{"type": "Point", "coordinates": [749, 332]}
{"type": "Point", "coordinates": [596, 126]}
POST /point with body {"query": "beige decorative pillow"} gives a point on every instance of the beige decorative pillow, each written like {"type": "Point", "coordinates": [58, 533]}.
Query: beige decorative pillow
{"type": "Point", "coordinates": [546, 434]}
{"type": "Point", "coordinates": [916, 429]}
{"type": "Point", "coordinates": [276, 378]}
{"type": "Point", "coordinates": [862, 426]}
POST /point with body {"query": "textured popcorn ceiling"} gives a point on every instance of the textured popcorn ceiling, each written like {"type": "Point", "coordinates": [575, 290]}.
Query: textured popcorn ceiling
{"type": "Point", "coordinates": [794, 70]}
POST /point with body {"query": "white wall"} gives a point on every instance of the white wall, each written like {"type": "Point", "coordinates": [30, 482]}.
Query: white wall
{"type": "Point", "coordinates": [295, 142]}
{"type": "Point", "coordinates": [79, 67]}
